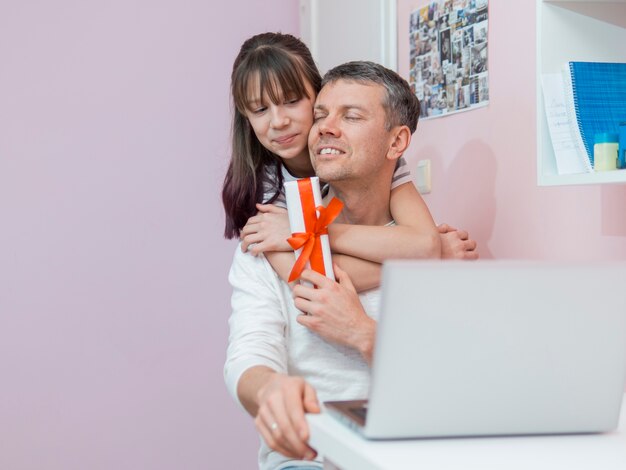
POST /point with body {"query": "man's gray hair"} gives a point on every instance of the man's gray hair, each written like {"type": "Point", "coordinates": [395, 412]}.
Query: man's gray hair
{"type": "Point", "coordinates": [401, 105]}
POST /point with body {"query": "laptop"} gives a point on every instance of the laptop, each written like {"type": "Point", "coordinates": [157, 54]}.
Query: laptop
{"type": "Point", "coordinates": [492, 348]}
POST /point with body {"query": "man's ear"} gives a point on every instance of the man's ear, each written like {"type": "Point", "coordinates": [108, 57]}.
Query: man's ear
{"type": "Point", "coordinates": [401, 138]}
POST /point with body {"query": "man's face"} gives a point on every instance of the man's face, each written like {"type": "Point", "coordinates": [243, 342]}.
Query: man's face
{"type": "Point", "coordinates": [348, 140]}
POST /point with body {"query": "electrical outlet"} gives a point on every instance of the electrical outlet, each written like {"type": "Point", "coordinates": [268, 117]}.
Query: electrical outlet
{"type": "Point", "coordinates": [422, 177]}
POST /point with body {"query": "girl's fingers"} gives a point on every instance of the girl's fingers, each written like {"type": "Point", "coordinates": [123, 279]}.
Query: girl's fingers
{"type": "Point", "coordinates": [270, 208]}
{"type": "Point", "coordinates": [249, 228]}
{"type": "Point", "coordinates": [255, 219]}
{"type": "Point", "coordinates": [257, 248]}
{"type": "Point", "coordinates": [249, 240]}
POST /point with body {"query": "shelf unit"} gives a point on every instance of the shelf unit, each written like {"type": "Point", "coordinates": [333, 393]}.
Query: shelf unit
{"type": "Point", "coordinates": [575, 31]}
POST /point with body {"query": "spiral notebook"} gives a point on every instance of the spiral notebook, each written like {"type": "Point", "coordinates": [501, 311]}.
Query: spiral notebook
{"type": "Point", "coordinates": [595, 97]}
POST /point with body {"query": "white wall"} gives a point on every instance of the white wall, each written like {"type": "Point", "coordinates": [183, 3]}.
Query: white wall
{"type": "Point", "coordinates": [340, 31]}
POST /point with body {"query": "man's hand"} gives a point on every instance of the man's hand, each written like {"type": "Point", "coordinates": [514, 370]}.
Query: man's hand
{"type": "Point", "coordinates": [456, 244]}
{"type": "Point", "coordinates": [334, 311]}
{"type": "Point", "coordinates": [283, 401]}
{"type": "Point", "coordinates": [268, 230]}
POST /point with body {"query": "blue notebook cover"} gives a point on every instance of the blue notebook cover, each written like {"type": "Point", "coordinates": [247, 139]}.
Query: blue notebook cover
{"type": "Point", "coordinates": [599, 95]}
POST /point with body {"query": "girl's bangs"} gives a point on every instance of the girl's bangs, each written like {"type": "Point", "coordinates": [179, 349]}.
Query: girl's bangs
{"type": "Point", "coordinates": [277, 76]}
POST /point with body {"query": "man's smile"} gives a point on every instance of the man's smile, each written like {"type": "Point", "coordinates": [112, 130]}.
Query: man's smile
{"type": "Point", "coordinates": [328, 150]}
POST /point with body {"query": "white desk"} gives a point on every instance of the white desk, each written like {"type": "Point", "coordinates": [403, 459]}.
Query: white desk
{"type": "Point", "coordinates": [346, 449]}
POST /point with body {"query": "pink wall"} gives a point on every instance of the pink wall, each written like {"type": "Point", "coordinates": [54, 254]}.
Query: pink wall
{"type": "Point", "coordinates": [114, 301]}
{"type": "Point", "coordinates": [113, 294]}
{"type": "Point", "coordinates": [484, 161]}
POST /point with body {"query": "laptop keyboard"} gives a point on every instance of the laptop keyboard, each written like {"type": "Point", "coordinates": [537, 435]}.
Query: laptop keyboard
{"type": "Point", "coordinates": [360, 411]}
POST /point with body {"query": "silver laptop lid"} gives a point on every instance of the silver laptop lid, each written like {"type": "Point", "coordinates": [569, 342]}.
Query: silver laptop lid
{"type": "Point", "coordinates": [490, 347]}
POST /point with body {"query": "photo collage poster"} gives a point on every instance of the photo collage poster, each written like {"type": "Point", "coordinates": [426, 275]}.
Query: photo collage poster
{"type": "Point", "coordinates": [448, 56]}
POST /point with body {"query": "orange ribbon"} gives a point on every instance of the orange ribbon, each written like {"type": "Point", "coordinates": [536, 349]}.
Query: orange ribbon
{"type": "Point", "coordinates": [315, 226]}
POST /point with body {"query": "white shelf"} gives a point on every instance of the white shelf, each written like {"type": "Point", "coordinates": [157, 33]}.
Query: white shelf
{"type": "Point", "coordinates": [591, 2]}
{"type": "Point", "coordinates": [575, 31]}
{"type": "Point", "coordinates": [605, 177]}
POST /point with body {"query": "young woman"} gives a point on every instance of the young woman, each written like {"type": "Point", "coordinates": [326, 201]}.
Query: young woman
{"type": "Point", "coordinates": [274, 84]}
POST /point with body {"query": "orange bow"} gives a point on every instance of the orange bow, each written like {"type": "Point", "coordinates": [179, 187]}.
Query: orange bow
{"type": "Point", "coordinates": [315, 226]}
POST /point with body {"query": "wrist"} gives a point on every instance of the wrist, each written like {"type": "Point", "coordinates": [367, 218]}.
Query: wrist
{"type": "Point", "coordinates": [366, 339]}
{"type": "Point", "coordinates": [251, 383]}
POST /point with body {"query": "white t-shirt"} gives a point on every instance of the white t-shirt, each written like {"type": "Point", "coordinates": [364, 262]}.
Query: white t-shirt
{"type": "Point", "coordinates": [264, 331]}
{"type": "Point", "coordinates": [401, 175]}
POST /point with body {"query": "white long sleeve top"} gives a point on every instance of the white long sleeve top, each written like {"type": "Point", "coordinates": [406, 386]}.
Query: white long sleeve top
{"type": "Point", "coordinates": [264, 331]}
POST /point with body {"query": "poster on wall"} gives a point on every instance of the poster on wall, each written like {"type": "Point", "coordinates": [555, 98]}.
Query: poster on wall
{"type": "Point", "coordinates": [448, 56]}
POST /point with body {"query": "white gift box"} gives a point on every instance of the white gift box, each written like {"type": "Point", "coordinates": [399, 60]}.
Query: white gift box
{"type": "Point", "coordinates": [303, 197]}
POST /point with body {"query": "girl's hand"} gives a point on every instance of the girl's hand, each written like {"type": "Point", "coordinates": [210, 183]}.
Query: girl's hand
{"type": "Point", "coordinates": [456, 244]}
{"type": "Point", "coordinates": [268, 230]}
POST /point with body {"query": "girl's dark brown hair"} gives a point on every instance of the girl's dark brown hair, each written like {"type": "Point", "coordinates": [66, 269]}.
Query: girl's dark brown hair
{"type": "Point", "coordinates": [283, 65]}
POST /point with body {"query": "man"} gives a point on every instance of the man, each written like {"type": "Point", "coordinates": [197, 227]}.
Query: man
{"type": "Point", "coordinates": [281, 363]}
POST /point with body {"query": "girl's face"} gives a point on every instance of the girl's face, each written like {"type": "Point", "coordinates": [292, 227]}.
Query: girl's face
{"type": "Point", "coordinates": [283, 128]}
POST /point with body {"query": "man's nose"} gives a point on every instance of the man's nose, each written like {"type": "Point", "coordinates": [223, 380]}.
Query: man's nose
{"type": "Point", "coordinates": [328, 126]}
{"type": "Point", "coordinates": [279, 118]}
